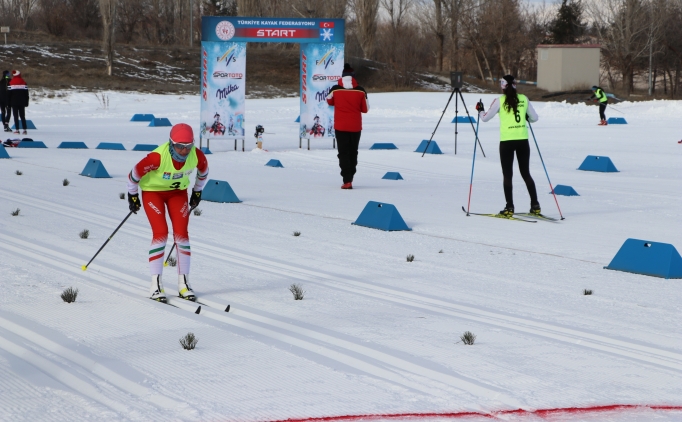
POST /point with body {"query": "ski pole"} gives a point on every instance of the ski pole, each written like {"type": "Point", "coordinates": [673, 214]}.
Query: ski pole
{"type": "Point", "coordinates": [546, 174]}
{"type": "Point", "coordinates": [616, 109]}
{"type": "Point", "coordinates": [165, 263]}
{"type": "Point", "coordinates": [473, 161]}
{"type": "Point", "coordinates": [85, 267]}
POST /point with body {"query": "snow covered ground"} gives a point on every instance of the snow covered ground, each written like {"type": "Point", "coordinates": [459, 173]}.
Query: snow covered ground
{"type": "Point", "coordinates": [375, 334]}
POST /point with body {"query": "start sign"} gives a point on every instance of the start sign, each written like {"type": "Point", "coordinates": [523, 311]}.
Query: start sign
{"type": "Point", "coordinates": [247, 29]}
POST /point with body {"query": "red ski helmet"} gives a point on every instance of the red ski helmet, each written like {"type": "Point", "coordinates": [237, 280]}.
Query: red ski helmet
{"type": "Point", "coordinates": [182, 134]}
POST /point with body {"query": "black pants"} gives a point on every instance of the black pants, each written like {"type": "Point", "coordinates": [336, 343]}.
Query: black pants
{"type": "Point", "coordinates": [19, 112]}
{"type": "Point", "coordinates": [522, 149]}
{"type": "Point", "coordinates": [347, 143]}
{"type": "Point", "coordinates": [6, 113]}
{"type": "Point", "coordinates": [602, 108]}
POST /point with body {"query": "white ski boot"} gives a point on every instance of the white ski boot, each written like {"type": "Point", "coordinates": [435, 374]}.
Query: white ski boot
{"type": "Point", "coordinates": [156, 291]}
{"type": "Point", "coordinates": [184, 289]}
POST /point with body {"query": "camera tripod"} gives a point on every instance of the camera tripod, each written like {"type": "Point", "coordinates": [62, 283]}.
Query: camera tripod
{"type": "Point", "coordinates": [456, 81]}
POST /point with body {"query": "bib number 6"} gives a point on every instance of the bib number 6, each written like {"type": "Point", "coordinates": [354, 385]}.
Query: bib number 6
{"type": "Point", "coordinates": [517, 116]}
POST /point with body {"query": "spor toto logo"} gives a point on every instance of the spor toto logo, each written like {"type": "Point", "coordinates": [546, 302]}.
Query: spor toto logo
{"type": "Point", "coordinates": [224, 30]}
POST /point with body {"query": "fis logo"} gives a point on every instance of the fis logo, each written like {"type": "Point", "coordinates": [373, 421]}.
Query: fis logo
{"type": "Point", "coordinates": [326, 59]}
{"type": "Point", "coordinates": [166, 175]}
{"type": "Point", "coordinates": [229, 56]}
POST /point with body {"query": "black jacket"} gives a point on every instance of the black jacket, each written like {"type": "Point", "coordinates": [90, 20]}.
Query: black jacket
{"type": "Point", "coordinates": [4, 94]}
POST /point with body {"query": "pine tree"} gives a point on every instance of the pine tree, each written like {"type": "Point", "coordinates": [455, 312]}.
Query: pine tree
{"type": "Point", "coordinates": [568, 26]}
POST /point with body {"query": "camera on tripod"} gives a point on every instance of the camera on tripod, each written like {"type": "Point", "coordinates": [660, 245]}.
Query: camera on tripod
{"type": "Point", "coordinates": [456, 80]}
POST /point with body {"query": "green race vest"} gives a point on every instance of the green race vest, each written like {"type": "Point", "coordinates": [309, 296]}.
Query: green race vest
{"type": "Point", "coordinates": [600, 94]}
{"type": "Point", "coordinates": [166, 177]}
{"type": "Point", "coordinates": [513, 126]}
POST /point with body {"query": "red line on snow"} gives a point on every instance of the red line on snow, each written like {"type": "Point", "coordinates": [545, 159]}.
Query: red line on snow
{"type": "Point", "coordinates": [491, 415]}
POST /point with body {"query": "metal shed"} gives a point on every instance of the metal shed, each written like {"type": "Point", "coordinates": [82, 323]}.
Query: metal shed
{"type": "Point", "coordinates": [563, 67]}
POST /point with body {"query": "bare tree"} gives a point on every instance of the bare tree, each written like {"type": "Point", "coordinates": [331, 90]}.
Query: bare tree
{"type": "Point", "coordinates": [108, 11]}
{"type": "Point", "coordinates": [318, 8]}
{"type": "Point", "coordinates": [366, 12]}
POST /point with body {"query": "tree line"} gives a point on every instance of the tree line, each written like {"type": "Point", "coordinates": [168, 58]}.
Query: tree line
{"type": "Point", "coordinates": [641, 40]}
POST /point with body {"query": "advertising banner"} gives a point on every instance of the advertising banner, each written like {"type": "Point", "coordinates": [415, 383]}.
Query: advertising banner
{"type": "Point", "coordinates": [321, 67]}
{"type": "Point", "coordinates": [223, 83]}
{"type": "Point", "coordinates": [253, 29]}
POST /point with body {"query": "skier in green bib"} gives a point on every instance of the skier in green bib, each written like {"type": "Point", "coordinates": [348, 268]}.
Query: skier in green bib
{"type": "Point", "coordinates": [514, 110]}
{"type": "Point", "coordinates": [599, 95]}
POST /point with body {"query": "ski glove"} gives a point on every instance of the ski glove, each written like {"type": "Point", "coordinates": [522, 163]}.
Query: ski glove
{"type": "Point", "coordinates": [134, 203]}
{"type": "Point", "coordinates": [194, 199]}
{"type": "Point", "coordinates": [479, 107]}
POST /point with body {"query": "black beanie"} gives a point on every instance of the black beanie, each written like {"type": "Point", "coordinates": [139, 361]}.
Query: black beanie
{"type": "Point", "coordinates": [509, 79]}
{"type": "Point", "coordinates": [347, 70]}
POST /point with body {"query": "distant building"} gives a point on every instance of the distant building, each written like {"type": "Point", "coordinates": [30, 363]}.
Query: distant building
{"type": "Point", "coordinates": [565, 67]}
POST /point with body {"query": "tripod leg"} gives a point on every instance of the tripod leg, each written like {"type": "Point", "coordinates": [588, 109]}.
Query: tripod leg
{"type": "Point", "coordinates": [471, 123]}
{"type": "Point", "coordinates": [456, 111]}
{"type": "Point", "coordinates": [441, 118]}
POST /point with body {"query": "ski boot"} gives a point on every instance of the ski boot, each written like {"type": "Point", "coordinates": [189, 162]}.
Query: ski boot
{"type": "Point", "coordinates": [348, 185]}
{"type": "Point", "coordinates": [184, 289]}
{"type": "Point", "coordinates": [535, 209]}
{"type": "Point", "coordinates": [508, 211]}
{"type": "Point", "coordinates": [24, 133]}
{"type": "Point", "coordinates": [16, 132]}
{"type": "Point", "coordinates": [7, 129]}
{"type": "Point", "coordinates": [156, 291]}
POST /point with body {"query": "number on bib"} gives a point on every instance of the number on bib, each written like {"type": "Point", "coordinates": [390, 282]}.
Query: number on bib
{"type": "Point", "coordinates": [175, 185]}
{"type": "Point", "coordinates": [517, 116]}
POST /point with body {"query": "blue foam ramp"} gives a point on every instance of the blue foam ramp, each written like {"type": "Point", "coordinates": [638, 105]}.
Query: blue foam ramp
{"type": "Point", "coordinates": [205, 150]}
{"type": "Point", "coordinates": [378, 215]}
{"type": "Point", "coordinates": [95, 169]}
{"type": "Point", "coordinates": [298, 120]}
{"type": "Point", "coordinates": [274, 163]}
{"type": "Point", "coordinates": [616, 121]}
{"type": "Point", "coordinates": [433, 147]}
{"type": "Point", "coordinates": [598, 163]}
{"type": "Point", "coordinates": [464, 119]}
{"type": "Point", "coordinates": [111, 145]}
{"type": "Point", "coordinates": [160, 122]}
{"type": "Point", "coordinates": [3, 152]}
{"type": "Point", "coordinates": [648, 258]}
{"type": "Point", "coordinates": [31, 144]}
{"type": "Point", "coordinates": [145, 147]}
{"type": "Point", "coordinates": [565, 190]}
{"type": "Point", "coordinates": [73, 145]}
{"type": "Point", "coordinates": [386, 145]}
{"type": "Point", "coordinates": [218, 191]}
{"type": "Point", "coordinates": [29, 125]}
{"type": "Point", "coordinates": [142, 118]}
{"type": "Point", "coordinates": [392, 175]}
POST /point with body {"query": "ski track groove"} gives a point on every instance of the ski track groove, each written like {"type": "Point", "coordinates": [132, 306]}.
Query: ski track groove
{"type": "Point", "coordinates": [623, 348]}
{"type": "Point", "coordinates": [390, 368]}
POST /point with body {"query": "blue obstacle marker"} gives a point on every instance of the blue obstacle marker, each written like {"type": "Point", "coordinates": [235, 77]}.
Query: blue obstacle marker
{"type": "Point", "coordinates": [111, 145]}
{"type": "Point", "coordinates": [3, 152]}
{"type": "Point", "coordinates": [387, 145]}
{"type": "Point", "coordinates": [648, 258]}
{"type": "Point", "coordinates": [145, 147]}
{"type": "Point", "coordinates": [464, 119]}
{"type": "Point", "coordinates": [160, 122]}
{"type": "Point", "coordinates": [95, 169]}
{"type": "Point", "coordinates": [433, 147]}
{"type": "Point", "coordinates": [616, 121]}
{"type": "Point", "coordinates": [73, 145]}
{"type": "Point", "coordinates": [392, 175]}
{"type": "Point", "coordinates": [205, 150]}
{"type": "Point", "coordinates": [274, 163]}
{"type": "Point", "coordinates": [218, 191]}
{"type": "Point", "coordinates": [142, 118]}
{"type": "Point", "coordinates": [377, 215]}
{"type": "Point", "coordinates": [298, 120]}
{"type": "Point", "coordinates": [565, 190]}
{"type": "Point", "coordinates": [29, 125]}
{"type": "Point", "coordinates": [597, 163]}
{"type": "Point", "coordinates": [31, 144]}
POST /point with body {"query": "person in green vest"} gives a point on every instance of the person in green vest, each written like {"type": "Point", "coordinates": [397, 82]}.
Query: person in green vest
{"type": "Point", "coordinates": [598, 94]}
{"type": "Point", "coordinates": [514, 110]}
{"type": "Point", "coordinates": [163, 176]}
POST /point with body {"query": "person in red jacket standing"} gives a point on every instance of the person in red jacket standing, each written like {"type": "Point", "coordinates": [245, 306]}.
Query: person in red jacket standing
{"type": "Point", "coordinates": [163, 176]}
{"type": "Point", "coordinates": [18, 99]}
{"type": "Point", "coordinates": [349, 100]}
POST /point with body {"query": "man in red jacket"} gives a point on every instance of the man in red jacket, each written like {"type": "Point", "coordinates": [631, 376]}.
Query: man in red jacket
{"type": "Point", "coordinates": [349, 101]}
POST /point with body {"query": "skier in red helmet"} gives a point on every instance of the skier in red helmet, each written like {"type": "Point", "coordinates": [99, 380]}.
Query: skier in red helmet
{"type": "Point", "coordinates": [163, 176]}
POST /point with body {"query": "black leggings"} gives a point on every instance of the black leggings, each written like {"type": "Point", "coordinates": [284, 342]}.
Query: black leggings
{"type": "Point", "coordinates": [6, 113]}
{"type": "Point", "coordinates": [522, 149]}
{"type": "Point", "coordinates": [19, 112]}
{"type": "Point", "coordinates": [348, 143]}
{"type": "Point", "coordinates": [602, 108]}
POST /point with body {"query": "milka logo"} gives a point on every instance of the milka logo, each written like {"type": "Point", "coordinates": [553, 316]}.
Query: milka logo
{"type": "Point", "coordinates": [326, 59]}
{"type": "Point", "coordinates": [221, 94]}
